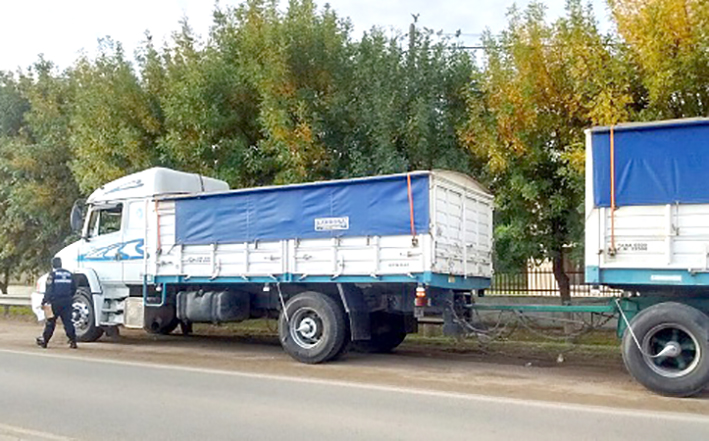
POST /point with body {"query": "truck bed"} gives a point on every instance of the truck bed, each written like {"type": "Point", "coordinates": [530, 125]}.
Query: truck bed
{"type": "Point", "coordinates": [657, 233]}
{"type": "Point", "coordinates": [431, 227]}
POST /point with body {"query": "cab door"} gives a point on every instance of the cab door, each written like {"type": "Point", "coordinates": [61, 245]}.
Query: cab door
{"type": "Point", "coordinates": [133, 250]}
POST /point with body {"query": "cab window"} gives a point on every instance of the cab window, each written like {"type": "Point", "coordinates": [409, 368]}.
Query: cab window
{"type": "Point", "coordinates": [105, 220]}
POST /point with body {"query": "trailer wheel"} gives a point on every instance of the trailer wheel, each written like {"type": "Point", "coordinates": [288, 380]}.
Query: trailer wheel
{"type": "Point", "coordinates": [316, 328]}
{"type": "Point", "coordinates": [83, 316]}
{"type": "Point", "coordinates": [684, 370]}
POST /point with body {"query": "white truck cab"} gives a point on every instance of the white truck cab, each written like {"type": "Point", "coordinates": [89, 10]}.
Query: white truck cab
{"type": "Point", "coordinates": [108, 260]}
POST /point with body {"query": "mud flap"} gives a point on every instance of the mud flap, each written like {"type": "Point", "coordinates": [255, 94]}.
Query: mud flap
{"type": "Point", "coordinates": [357, 311]}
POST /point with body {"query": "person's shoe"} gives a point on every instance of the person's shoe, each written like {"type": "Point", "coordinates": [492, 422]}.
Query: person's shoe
{"type": "Point", "coordinates": [41, 343]}
{"type": "Point", "coordinates": [72, 345]}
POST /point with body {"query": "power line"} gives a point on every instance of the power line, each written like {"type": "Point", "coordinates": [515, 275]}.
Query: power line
{"type": "Point", "coordinates": [549, 46]}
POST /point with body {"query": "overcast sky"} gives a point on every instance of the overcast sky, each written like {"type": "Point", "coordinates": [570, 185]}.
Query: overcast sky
{"type": "Point", "coordinates": [62, 29]}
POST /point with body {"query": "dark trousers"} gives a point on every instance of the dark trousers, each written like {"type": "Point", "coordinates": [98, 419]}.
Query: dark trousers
{"type": "Point", "coordinates": [63, 310]}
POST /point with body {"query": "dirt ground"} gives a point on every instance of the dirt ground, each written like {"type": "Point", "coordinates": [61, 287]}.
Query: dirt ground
{"type": "Point", "coordinates": [585, 376]}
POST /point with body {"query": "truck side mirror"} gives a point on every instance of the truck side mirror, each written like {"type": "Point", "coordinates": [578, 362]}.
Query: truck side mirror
{"type": "Point", "coordinates": [77, 215]}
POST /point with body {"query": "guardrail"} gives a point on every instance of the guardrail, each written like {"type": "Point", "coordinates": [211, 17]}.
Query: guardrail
{"type": "Point", "coordinates": [6, 301]}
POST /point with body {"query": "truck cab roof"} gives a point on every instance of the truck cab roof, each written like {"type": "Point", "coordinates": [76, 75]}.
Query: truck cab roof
{"type": "Point", "coordinates": [156, 181]}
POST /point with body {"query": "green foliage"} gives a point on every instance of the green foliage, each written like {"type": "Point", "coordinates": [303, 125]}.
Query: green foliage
{"type": "Point", "coordinates": [209, 113]}
{"type": "Point", "coordinates": [279, 96]}
{"type": "Point", "coordinates": [668, 42]}
{"type": "Point", "coordinates": [38, 187]}
{"type": "Point", "coordinates": [12, 106]}
{"type": "Point", "coordinates": [405, 105]}
{"type": "Point", "coordinates": [113, 127]}
{"type": "Point", "coordinates": [269, 97]}
{"type": "Point", "coordinates": [542, 85]}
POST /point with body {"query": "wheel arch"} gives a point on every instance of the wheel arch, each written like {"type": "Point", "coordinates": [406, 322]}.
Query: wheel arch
{"type": "Point", "coordinates": [88, 278]}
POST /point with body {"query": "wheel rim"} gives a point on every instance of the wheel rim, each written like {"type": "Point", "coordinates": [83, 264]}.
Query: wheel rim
{"type": "Point", "coordinates": [306, 328]}
{"type": "Point", "coordinates": [683, 355]}
{"type": "Point", "coordinates": [80, 315]}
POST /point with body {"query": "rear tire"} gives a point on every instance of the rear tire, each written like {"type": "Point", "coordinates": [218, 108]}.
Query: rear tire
{"type": "Point", "coordinates": [316, 328]}
{"type": "Point", "coordinates": [83, 316]}
{"type": "Point", "coordinates": [388, 331]}
{"type": "Point", "coordinates": [386, 342]}
{"type": "Point", "coordinates": [684, 371]}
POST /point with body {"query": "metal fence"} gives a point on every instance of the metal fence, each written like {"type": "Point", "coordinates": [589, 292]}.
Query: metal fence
{"type": "Point", "coordinates": [6, 301]}
{"type": "Point", "coordinates": [539, 282]}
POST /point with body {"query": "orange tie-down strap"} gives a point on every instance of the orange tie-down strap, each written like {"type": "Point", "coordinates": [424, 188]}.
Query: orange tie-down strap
{"type": "Point", "coordinates": [612, 155]}
{"type": "Point", "coordinates": [411, 204]}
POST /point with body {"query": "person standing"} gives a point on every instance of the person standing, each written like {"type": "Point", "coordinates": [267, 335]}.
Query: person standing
{"type": "Point", "coordinates": [59, 293]}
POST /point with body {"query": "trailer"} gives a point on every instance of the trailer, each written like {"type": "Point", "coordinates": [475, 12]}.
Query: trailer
{"type": "Point", "coordinates": [336, 262]}
{"type": "Point", "coordinates": [647, 234]}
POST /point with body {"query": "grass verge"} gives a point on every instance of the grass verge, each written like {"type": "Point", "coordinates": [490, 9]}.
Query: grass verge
{"type": "Point", "coordinates": [599, 346]}
{"type": "Point", "coordinates": [19, 313]}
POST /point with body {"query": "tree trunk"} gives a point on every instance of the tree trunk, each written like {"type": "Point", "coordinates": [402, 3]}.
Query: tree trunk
{"type": "Point", "coordinates": [5, 281]}
{"type": "Point", "coordinates": [562, 279]}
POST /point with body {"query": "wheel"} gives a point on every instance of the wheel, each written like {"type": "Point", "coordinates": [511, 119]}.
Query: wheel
{"type": "Point", "coordinates": [387, 341]}
{"type": "Point", "coordinates": [83, 316]}
{"type": "Point", "coordinates": [388, 332]}
{"type": "Point", "coordinates": [683, 333]}
{"type": "Point", "coordinates": [112, 332]}
{"type": "Point", "coordinates": [347, 345]}
{"type": "Point", "coordinates": [316, 328]}
{"type": "Point", "coordinates": [163, 328]}
{"type": "Point", "coordinates": [186, 328]}
{"type": "Point", "coordinates": [161, 320]}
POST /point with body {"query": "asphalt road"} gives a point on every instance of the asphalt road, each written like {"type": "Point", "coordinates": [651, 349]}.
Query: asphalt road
{"type": "Point", "coordinates": [47, 396]}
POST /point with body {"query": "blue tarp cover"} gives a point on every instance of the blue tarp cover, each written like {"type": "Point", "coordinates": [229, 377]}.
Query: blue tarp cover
{"type": "Point", "coordinates": [665, 163]}
{"type": "Point", "coordinates": [359, 207]}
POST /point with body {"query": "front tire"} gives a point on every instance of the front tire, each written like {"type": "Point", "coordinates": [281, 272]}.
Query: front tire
{"type": "Point", "coordinates": [316, 328]}
{"type": "Point", "coordinates": [684, 331]}
{"type": "Point", "coordinates": [83, 316]}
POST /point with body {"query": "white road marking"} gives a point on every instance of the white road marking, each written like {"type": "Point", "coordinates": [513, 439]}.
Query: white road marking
{"type": "Point", "coordinates": [6, 429]}
{"type": "Point", "coordinates": [679, 417]}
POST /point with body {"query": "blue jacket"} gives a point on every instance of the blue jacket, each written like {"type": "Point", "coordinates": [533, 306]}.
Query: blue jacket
{"type": "Point", "coordinates": [60, 287]}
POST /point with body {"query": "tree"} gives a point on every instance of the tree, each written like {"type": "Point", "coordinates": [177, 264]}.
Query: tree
{"type": "Point", "coordinates": [12, 106]}
{"type": "Point", "coordinates": [291, 62]}
{"type": "Point", "coordinates": [211, 108]}
{"type": "Point", "coordinates": [12, 109]}
{"type": "Point", "coordinates": [38, 187]}
{"type": "Point", "coordinates": [114, 125]}
{"type": "Point", "coordinates": [541, 86]}
{"type": "Point", "coordinates": [668, 41]}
